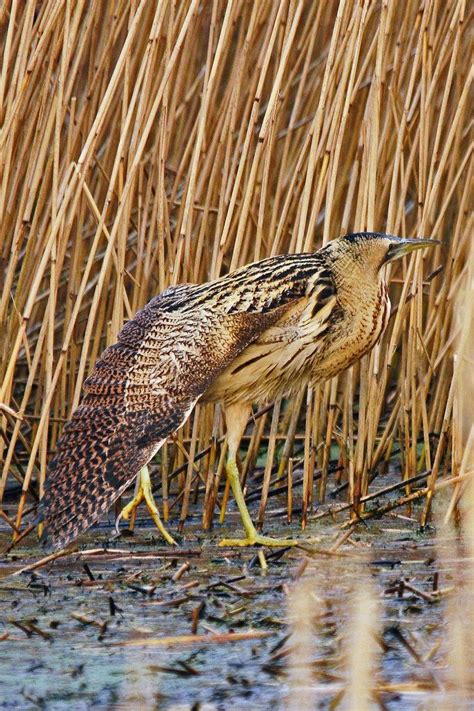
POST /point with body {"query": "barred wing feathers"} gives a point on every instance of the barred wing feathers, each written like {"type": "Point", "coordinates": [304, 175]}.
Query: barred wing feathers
{"type": "Point", "coordinates": [142, 389]}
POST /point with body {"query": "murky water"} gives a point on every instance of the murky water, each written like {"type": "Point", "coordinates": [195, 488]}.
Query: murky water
{"type": "Point", "coordinates": [68, 627]}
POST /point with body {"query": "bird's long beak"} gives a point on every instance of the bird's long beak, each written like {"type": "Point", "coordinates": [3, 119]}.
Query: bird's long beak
{"type": "Point", "coordinates": [401, 246]}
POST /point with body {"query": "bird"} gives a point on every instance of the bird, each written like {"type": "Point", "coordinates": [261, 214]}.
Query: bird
{"type": "Point", "coordinates": [256, 334]}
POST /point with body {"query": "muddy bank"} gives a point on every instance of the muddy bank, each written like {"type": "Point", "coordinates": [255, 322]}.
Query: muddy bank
{"type": "Point", "coordinates": [136, 625]}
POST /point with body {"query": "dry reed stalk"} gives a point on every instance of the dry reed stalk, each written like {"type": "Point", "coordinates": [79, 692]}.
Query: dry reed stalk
{"type": "Point", "coordinates": [361, 650]}
{"type": "Point", "coordinates": [269, 462]}
{"type": "Point", "coordinates": [148, 143]}
{"type": "Point", "coordinates": [193, 639]}
{"type": "Point", "coordinates": [460, 614]}
{"type": "Point", "coordinates": [303, 606]}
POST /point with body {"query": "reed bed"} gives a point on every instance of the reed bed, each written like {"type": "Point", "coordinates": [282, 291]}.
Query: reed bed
{"type": "Point", "coordinates": [150, 143]}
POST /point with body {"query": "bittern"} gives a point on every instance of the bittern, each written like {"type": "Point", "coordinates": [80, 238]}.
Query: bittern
{"type": "Point", "coordinates": [258, 333]}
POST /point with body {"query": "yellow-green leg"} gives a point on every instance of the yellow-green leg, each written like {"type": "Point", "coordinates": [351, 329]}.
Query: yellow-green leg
{"type": "Point", "coordinates": [145, 493]}
{"type": "Point", "coordinates": [252, 537]}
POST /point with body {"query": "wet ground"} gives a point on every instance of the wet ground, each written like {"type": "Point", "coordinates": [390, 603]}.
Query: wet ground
{"type": "Point", "coordinates": [138, 626]}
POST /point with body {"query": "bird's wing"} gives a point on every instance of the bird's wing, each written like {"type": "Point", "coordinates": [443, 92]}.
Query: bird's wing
{"type": "Point", "coordinates": [142, 389]}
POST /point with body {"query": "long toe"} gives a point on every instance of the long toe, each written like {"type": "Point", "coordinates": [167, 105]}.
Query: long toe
{"type": "Point", "coordinates": [168, 538]}
{"type": "Point", "coordinates": [127, 510]}
{"type": "Point", "coordinates": [259, 540]}
{"type": "Point", "coordinates": [152, 508]}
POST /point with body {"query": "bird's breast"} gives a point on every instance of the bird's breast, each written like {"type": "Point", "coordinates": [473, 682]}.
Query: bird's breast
{"type": "Point", "coordinates": [354, 333]}
{"type": "Point", "coordinates": [277, 363]}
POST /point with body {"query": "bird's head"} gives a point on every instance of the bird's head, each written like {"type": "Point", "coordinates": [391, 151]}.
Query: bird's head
{"type": "Point", "coordinates": [368, 252]}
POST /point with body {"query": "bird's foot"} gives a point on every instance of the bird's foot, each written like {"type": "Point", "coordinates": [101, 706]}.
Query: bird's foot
{"type": "Point", "coordinates": [145, 493]}
{"type": "Point", "coordinates": [255, 539]}
{"type": "Point", "coordinates": [151, 506]}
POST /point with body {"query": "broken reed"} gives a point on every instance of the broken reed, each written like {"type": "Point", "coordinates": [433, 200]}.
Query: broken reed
{"type": "Point", "coordinates": [150, 143]}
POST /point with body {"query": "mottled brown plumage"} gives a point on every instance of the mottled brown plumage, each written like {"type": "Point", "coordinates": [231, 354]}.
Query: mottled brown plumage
{"type": "Point", "coordinates": [255, 334]}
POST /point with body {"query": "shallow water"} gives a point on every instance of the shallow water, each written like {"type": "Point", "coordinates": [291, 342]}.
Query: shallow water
{"type": "Point", "coordinates": [78, 615]}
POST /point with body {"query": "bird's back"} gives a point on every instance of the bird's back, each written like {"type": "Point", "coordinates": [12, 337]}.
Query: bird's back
{"type": "Point", "coordinates": [255, 288]}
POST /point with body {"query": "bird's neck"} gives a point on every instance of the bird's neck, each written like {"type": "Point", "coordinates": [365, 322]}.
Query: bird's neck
{"type": "Point", "coordinates": [358, 284]}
